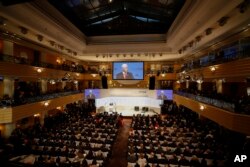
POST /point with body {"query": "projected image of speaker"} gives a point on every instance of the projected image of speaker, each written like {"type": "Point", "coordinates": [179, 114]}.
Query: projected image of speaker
{"type": "Point", "coordinates": [152, 83]}
{"type": "Point", "coordinates": [104, 82]}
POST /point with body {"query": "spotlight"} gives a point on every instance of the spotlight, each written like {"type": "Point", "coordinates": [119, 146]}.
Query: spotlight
{"type": "Point", "coordinates": [198, 38]}
{"type": "Point", "coordinates": [223, 21]}
{"type": "Point", "coordinates": [208, 31]}
{"type": "Point", "coordinates": [190, 44]}
{"type": "Point", "coordinates": [40, 37]}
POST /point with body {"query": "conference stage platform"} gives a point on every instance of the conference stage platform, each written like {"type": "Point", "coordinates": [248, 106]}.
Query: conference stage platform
{"type": "Point", "coordinates": [128, 102]}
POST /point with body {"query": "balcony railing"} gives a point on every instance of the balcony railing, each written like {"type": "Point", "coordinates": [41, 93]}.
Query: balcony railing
{"type": "Point", "coordinates": [64, 67]}
{"type": "Point", "coordinates": [235, 52]}
{"type": "Point", "coordinates": [215, 102]}
{"type": "Point", "coordinates": [22, 101]}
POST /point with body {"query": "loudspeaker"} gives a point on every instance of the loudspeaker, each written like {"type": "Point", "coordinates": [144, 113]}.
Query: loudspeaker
{"type": "Point", "coordinates": [104, 82]}
{"type": "Point", "coordinates": [152, 83]}
{"type": "Point", "coordinates": [137, 108]}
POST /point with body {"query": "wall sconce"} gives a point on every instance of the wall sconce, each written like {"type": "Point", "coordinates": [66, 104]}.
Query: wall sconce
{"type": "Point", "coordinates": [212, 68]}
{"type": "Point", "coordinates": [52, 82]}
{"type": "Point", "coordinates": [75, 82]}
{"type": "Point", "coordinates": [46, 104]}
{"type": "Point", "coordinates": [77, 74]}
{"type": "Point", "coordinates": [163, 74]}
{"type": "Point", "coordinates": [58, 61]}
{"type": "Point", "coordinates": [94, 75]}
{"type": "Point", "coordinates": [178, 81]}
{"type": "Point", "coordinates": [199, 81]}
{"type": "Point", "coordinates": [39, 70]}
{"type": "Point", "coordinates": [202, 107]}
{"type": "Point", "coordinates": [37, 115]}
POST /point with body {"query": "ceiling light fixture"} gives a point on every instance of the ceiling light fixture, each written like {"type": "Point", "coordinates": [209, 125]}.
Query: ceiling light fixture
{"type": "Point", "coordinates": [208, 31]}
{"type": "Point", "coordinates": [198, 38]}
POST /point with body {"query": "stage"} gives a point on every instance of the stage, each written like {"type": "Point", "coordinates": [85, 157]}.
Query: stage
{"type": "Point", "coordinates": [129, 111]}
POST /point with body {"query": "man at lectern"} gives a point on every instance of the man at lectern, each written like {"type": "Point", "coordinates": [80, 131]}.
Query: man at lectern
{"type": "Point", "coordinates": [90, 95]}
{"type": "Point", "coordinates": [124, 74]}
{"type": "Point", "coordinates": [162, 96]}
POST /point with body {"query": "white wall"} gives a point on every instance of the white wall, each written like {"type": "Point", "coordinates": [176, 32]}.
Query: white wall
{"type": "Point", "coordinates": [128, 97]}
{"type": "Point", "coordinates": [125, 92]}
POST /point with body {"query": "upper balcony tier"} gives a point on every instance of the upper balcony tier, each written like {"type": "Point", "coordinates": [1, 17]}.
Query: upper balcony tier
{"type": "Point", "coordinates": [228, 119]}
{"type": "Point", "coordinates": [38, 105]}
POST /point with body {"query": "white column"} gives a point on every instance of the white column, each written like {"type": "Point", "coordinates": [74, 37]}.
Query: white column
{"type": "Point", "coordinates": [187, 84]}
{"type": "Point", "coordinates": [8, 86]}
{"type": "Point", "coordinates": [8, 129]}
{"type": "Point", "coordinates": [44, 85]}
{"type": "Point", "coordinates": [63, 84]}
{"type": "Point", "coordinates": [219, 86]}
{"type": "Point", "coordinates": [199, 86]}
{"type": "Point", "coordinates": [8, 48]}
{"type": "Point", "coordinates": [42, 116]}
{"type": "Point", "coordinates": [76, 85]}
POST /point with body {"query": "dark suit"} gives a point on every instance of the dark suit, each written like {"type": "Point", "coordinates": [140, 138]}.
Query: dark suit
{"type": "Point", "coordinates": [90, 96]}
{"type": "Point", "coordinates": [120, 75]}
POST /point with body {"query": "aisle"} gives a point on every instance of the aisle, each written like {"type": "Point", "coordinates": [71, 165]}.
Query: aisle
{"type": "Point", "coordinates": [119, 155]}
